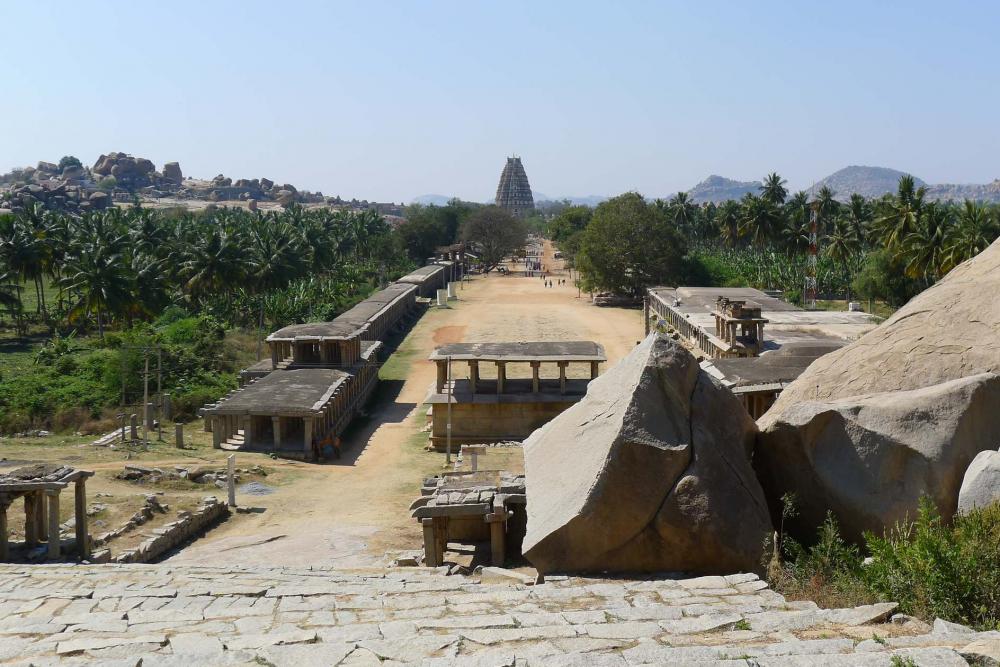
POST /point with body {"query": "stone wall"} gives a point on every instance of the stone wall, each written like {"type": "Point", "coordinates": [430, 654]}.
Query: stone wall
{"type": "Point", "coordinates": [173, 534]}
{"type": "Point", "coordinates": [492, 422]}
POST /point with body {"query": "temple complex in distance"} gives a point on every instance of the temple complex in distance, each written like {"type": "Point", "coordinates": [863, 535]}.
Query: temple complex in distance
{"type": "Point", "coordinates": [513, 191]}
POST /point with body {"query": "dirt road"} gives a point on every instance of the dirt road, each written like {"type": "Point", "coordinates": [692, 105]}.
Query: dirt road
{"type": "Point", "coordinates": [354, 511]}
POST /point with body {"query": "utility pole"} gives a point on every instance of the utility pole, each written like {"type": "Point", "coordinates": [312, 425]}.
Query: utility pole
{"type": "Point", "coordinates": [159, 392]}
{"type": "Point", "coordinates": [809, 294]}
{"type": "Point", "coordinates": [145, 399]}
{"type": "Point", "coordinates": [451, 393]}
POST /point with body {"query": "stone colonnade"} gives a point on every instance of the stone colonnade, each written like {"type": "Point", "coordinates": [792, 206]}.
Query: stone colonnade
{"type": "Point", "coordinates": [474, 380]}
{"type": "Point", "coordinates": [41, 514]}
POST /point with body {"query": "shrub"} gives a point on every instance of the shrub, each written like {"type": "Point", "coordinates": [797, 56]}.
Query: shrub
{"type": "Point", "coordinates": [108, 183]}
{"type": "Point", "coordinates": [936, 570]}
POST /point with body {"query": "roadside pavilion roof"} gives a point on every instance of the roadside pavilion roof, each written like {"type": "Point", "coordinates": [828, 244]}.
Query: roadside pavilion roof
{"type": "Point", "coordinates": [579, 350]}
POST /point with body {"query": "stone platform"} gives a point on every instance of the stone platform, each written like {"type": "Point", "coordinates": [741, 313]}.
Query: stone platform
{"type": "Point", "coordinates": [153, 615]}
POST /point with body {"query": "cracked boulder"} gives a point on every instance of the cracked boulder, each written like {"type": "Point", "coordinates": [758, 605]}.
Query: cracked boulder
{"type": "Point", "coordinates": [870, 458]}
{"type": "Point", "coordinates": [900, 412]}
{"type": "Point", "coordinates": [650, 472]}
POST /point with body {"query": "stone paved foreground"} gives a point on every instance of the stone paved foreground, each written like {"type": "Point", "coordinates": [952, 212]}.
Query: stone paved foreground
{"type": "Point", "coordinates": [190, 616]}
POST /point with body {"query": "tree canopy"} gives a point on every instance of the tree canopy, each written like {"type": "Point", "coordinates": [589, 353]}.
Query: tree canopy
{"type": "Point", "coordinates": [495, 234]}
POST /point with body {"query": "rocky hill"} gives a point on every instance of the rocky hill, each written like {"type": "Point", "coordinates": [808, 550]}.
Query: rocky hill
{"type": "Point", "coordinates": [718, 189]}
{"type": "Point", "coordinates": [869, 182]}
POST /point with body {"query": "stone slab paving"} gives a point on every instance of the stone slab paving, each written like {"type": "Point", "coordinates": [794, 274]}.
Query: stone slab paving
{"type": "Point", "coordinates": [163, 615]}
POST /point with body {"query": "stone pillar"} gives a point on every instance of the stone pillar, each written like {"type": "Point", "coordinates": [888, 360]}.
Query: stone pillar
{"type": "Point", "coordinates": [179, 435]}
{"type": "Point", "coordinates": [498, 546]}
{"type": "Point", "coordinates": [150, 415]}
{"type": "Point", "coordinates": [501, 376]}
{"type": "Point", "coordinates": [307, 435]}
{"type": "Point", "coordinates": [217, 429]}
{"type": "Point", "coordinates": [645, 312]}
{"type": "Point", "coordinates": [30, 536]}
{"type": "Point", "coordinates": [168, 408]}
{"type": "Point", "coordinates": [276, 424]}
{"type": "Point", "coordinates": [442, 374]}
{"type": "Point", "coordinates": [41, 507]}
{"type": "Point", "coordinates": [535, 381]}
{"type": "Point", "coordinates": [248, 432]}
{"type": "Point", "coordinates": [275, 356]}
{"type": "Point", "coordinates": [134, 426]}
{"type": "Point", "coordinates": [4, 544]}
{"type": "Point", "coordinates": [430, 543]}
{"type": "Point", "coordinates": [562, 376]}
{"type": "Point", "coordinates": [53, 498]}
{"type": "Point", "coordinates": [451, 291]}
{"type": "Point", "coordinates": [474, 374]}
{"type": "Point", "coordinates": [594, 369]}
{"type": "Point", "coordinates": [80, 516]}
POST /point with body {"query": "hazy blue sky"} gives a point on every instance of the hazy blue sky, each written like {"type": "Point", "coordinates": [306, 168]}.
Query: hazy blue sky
{"type": "Point", "coordinates": [387, 101]}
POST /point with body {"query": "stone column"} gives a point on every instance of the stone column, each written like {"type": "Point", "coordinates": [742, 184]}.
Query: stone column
{"type": "Point", "coordinates": [474, 374]}
{"type": "Point", "coordinates": [80, 516]}
{"type": "Point", "coordinates": [275, 356]}
{"type": "Point", "coordinates": [168, 408]}
{"type": "Point", "coordinates": [134, 426]}
{"type": "Point", "coordinates": [562, 376]}
{"type": "Point", "coordinates": [645, 312]}
{"type": "Point", "coordinates": [40, 515]}
{"type": "Point", "coordinates": [276, 423]}
{"type": "Point", "coordinates": [4, 544]}
{"type": "Point", "coordinates": [217, 428]}
{"type": "Point", "coordinates": [30, 536]}
{"type": "Point", "coordinates": [307, 435]}
{"type": "Point", "coordinates": [249, 436]}
{"type": "Point", "coordinates": [179, 435]}
{"type": "Point", "coordinates": [150, 415]}
{"type": "Point", "coordinates": [53, 498]}
{"type": "Point", "coordinates": [501, 376]}
{"type": "Point", "coordinates": [535, 380]}
{"type": "Point", "coordinates": [442, 374]}
{"type": "Point", "coordinates": [594, 369]}
{"type": "Point", "coordinates": [430, 543]}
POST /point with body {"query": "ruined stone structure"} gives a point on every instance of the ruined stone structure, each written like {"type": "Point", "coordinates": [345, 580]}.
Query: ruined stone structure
{"type": "Point", "coordinates": [506, 409]}
{"type": "Point", "coordinates": [727, 325]}
{"type": "Point", "coordinates": [40, 486]}
{"type": "Point", "coordinates": [513, 191]}
{"type": "Point", "coordinates": [318, 377]}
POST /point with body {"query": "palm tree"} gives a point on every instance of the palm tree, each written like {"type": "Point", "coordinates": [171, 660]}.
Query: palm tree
{"type": "Point", "coordinates": [211, 262]}
{"type": "Point", "coordinates": [859, 217]}
{"type": "Point", "coordinates": [95, 270]}
{"type": "Point", "coordinates": [842, 245]}
{"type": "Point", "coordinates": [728, 220]}
{"type": "Point", "coordinates": [975, 230]}
{"type": "Point", "coordinates": [773, 189]}
{"type": "Point", "coordinates": [760, 219]}
{"type": "Point", "coordinates": [827, 208]}
{"type": "Point", "coordinates": [924, 250]}
{"type": "Point", "coordinates": [901, 214]}
{"type": "Point", "coordinates": [10, 297]}
{"type": "Point", "coordinates": [682, 212]}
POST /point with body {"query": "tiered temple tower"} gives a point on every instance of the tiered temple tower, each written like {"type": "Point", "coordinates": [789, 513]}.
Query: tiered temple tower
{"type": "Point", "coordinates": [513, 192]}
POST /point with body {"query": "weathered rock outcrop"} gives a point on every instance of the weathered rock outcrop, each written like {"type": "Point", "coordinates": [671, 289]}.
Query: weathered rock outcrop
{"type": "Point", "coordinates": [870, 458]}
{"type": "Point", "coordinates": [901, 412]}
{"type": "Point", "coordinates": [649, 472]}
{"type": "Point", "coordinates": [172, 172]}
{"type": "Point", "coordinates": [949, 331]}
{"type": "Point", "coordinates": [981, 485]}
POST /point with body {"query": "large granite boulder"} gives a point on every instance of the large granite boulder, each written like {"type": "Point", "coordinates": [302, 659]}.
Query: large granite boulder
{"type": "Point", "coordinates": [847, 434]}
{"type": "Point", "coordinates": [172, 172]}
{"type": "Point", "coordinates": [870, 458]}
{"type": "Point", "coordinates": [981, 484]}
{"type": "Point", "coordinates": [649, 472]}
{"type": "Point", "coordinates": [949, 331]}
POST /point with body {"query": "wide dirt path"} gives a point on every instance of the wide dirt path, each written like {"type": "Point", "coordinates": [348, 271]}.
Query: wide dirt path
{"type": "Point", "coordinates": [354, 511]}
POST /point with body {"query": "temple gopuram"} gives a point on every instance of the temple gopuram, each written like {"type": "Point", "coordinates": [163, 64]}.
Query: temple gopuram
{"type": "Point", "coordinates": [513, 191]}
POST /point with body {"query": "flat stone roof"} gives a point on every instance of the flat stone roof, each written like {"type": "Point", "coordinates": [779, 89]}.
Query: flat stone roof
{"type": "Point", "coordinates": [299, 392]}
{"type": "Point", "coordinates": [316, 331]}
{"type": "Point", "coordinates": [771, 368]}
{"type": "Point", "coordinates": [787, 323]}
{"type": "Point", "coordinates": [577, 350]}
{"type": "Point", "coordinates": [420, 275]}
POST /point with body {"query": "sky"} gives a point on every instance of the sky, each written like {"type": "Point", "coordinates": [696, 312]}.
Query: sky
{"type": "Point", "coordinates": [387, 101]}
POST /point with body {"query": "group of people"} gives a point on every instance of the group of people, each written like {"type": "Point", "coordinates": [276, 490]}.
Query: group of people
{"type": "Point", "coordinates": [553, 283]}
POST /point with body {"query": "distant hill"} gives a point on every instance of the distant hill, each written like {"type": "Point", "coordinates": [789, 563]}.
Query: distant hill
{"type": "Point", "coordinates": [588, 200]}
{"type": "Point", "coordinates": [988, 192]}
{"type": "Point", "coordinates": [718, 189]}
{"type": "Point", "coordinates": [869, 182]}
{"type": "Point", "coordinates": [436, 200]}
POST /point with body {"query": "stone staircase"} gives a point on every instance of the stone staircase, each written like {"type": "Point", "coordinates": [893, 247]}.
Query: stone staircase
{"type": "Point", "coordinates": [152, 615]}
